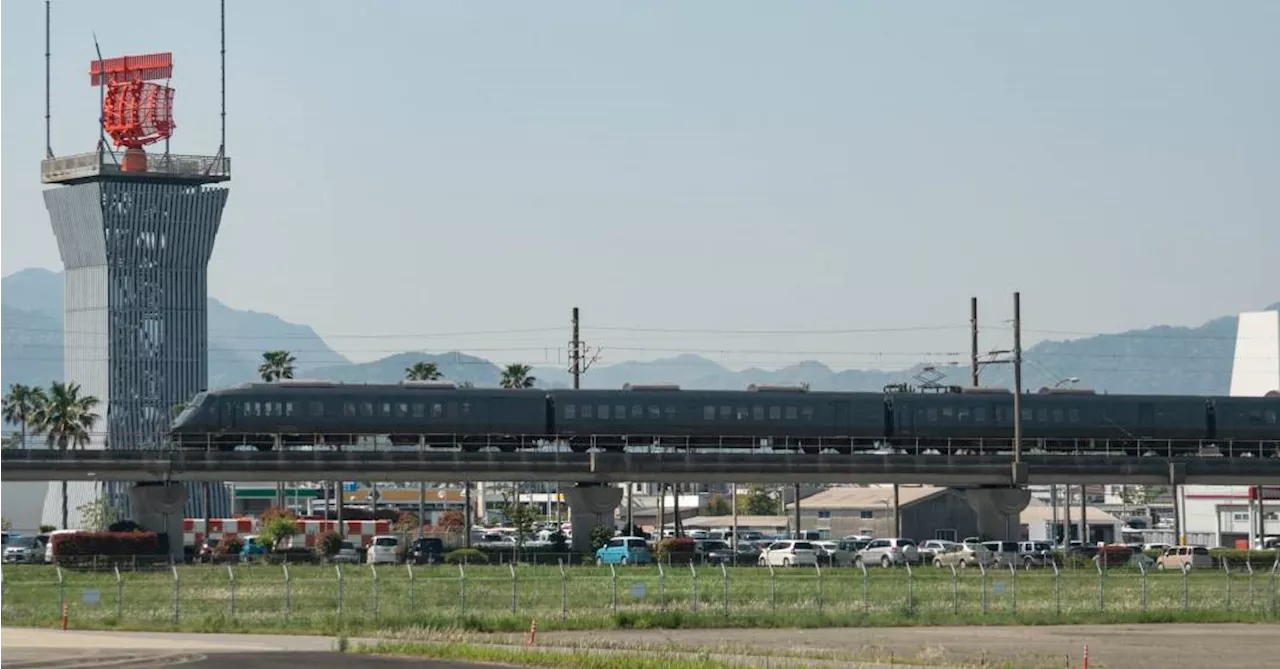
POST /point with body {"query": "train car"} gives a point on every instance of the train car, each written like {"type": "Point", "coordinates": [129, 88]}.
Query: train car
{"type": "Point", "coordinates": [971, 418]}
{"type": "Point", "coordinates": [308, 412]}
{"type": "Point", "coordinates": [774, 415]}
{"type": "Point", "coordinates": [1248, 424]}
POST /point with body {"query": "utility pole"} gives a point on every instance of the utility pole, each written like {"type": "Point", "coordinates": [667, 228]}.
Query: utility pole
{"type": "Point", "coordinates": [973, 339]}
{"type": "Point", "coordinates": [1017, 379]}
{"type": "Point", "coordinates": [578, 361]}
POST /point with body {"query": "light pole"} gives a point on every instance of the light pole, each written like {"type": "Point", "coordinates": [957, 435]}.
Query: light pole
{"type": "Point", "coordinates": [1069, 379]}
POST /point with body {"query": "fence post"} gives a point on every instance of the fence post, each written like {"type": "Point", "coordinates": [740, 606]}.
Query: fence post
{"type": "Point", "coordinates": [462, 588]}
{"type": "Point", "coordinates": [1142, 567]}
{"type": "Point", "coordinates": [514, 591]}
{"type": "Point", "coordinates": [119, 595]}
{"type": "Point", "coordinates": [613, 580]}
{"type": "Point", "coordinates": [955, 590]}
{"type": "Point", "coordinates": [724, 571]}
{"type": "Point", "coordinates": [1013, 571]}
{"type": "Point", "coordinates": [1249, 565]}
{"type": "Point", "coordinates": [911, 589]}
{"type": "Point", "coordinates": [377, 605]}
{"type": "Point", "coordinates": [231, 590]}
{"type": "Point", "coordinates": [1102, 587]}
{"type": "Point", "coordinates": [564, 591]}
{"type": "Point", "coordinates": [662, 587]}
{"type": "Point", "coordinates": [62, 589]}
{"type": "Point", "coordinates": [1057, 587]}
{"type": "Point", "coordinates": [983, 568]}
{"type": "Point", "coordinates": [820, 598]}
{"type": "Point", "coordinates": [694, 576]}
{"type": "Point", "coordinates": [1185, 597]}
{"type": "Point", "coordinates": [176, 615]}
{"type": "Point", "coordinates": [1226, 571]}
{"type": "Point", "coordinates": [288, 591]}
{"type": "Point", "coordinates": [338, 568]}
{"type": "Point", "coordinates": [866, 590]}
{"type": "Point", "coordinates": [1275, 568]}
{"type": "Point", "coordinates": [773, 588]}
{"type": "Point", "coordinates": [408, 566]}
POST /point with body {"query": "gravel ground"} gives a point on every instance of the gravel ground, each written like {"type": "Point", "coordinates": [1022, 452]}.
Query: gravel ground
{"type": "Point", "coordinates": [1222, 646]}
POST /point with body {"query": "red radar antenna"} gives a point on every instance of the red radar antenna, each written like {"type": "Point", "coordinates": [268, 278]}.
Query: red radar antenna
{"type": "Point", "coordinates": [135, 112]}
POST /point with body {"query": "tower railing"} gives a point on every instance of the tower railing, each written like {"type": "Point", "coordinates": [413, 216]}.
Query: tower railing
{"type": "Point", "coordinates": [206, 169]}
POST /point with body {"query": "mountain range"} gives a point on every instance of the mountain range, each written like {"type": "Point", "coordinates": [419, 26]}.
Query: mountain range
{"type": "Point", "coordinates": [1156, 360]}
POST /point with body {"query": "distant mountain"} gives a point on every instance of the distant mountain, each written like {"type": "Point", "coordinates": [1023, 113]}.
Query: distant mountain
{"type": "Point", "coordinates": [32, 335]}
{"type": "Point", "coordinates": [1157, 360]}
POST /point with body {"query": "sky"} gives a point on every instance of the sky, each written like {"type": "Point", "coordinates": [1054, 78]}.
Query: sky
{"type": "Point", "coordinates": [840, 175]}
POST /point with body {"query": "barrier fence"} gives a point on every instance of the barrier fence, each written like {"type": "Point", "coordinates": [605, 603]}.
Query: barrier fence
{"type": "Point", "coordinates": [362, 595]}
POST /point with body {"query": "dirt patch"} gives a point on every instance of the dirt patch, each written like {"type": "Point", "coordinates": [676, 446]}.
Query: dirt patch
{"type": "Point", "coordinates": [1222, 646]}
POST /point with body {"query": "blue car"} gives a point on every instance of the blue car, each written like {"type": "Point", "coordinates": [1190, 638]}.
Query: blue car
{"type": "Point", "coordinates": [624, 550]}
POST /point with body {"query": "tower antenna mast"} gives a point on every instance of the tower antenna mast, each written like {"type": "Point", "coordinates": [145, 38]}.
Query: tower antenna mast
{"type": "Point", "coordinates": [222, 145]}
{"type": "Point", "coordinates": [48, 96]}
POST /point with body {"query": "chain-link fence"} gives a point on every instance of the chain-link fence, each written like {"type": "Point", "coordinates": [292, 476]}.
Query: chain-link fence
{"type": "Point", "coordinates": [361, 596]}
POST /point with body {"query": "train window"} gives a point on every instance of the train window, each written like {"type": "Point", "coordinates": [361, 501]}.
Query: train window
{"type": "Point", "coordinates": [620, 412]}
{"type": "Point", "coordinates": [708, 412]}
{"type": "Point", "coordinates": [248, 408]}
{"type": "Point", "coordinates": [791, 413]}
{"type": "Point", "coordinates": [725, 411]}
{"type": "Point", "coordinates": [655, 412]}
{"type": "Point", "coordinates": [637, 411]}
{"type": "Point", "coordinates": [1255, 417]}
{"type": "Point", "coordinates": [288, 408]}
{"type": "Point", "coordinates": [570, 411]}
{"type": "Point", "coordinates": [806, 413]}
{"type": "Point", "coordinates": [1057, 415]}
{"type": "Point", "coordinates": [419, 410]}
{"type": "Point", "coordinates": [669, 411]}
{"type": "Point", "coordinates": [962, 413]}
{"type": "Point", "coordinates": [948, 412]}
{"type": "Point", "coordinates": [466, 408]}
{"type": "Point", "coordinates": [1026, 414]}
{"type": "Point", "coordinates": [402, 410]}
{"type": "Point", "coordinates": [979, 414]}
{"type": "Point", "coordinates": [932, 414]}
{"type": "Point", "coordinates": [602, 412]}
{"type": "Point", "coordinates": [384, 409]}
{"type": "Point", "coordinates": [588, 411]}
{"type": "Point", "coordinates": [451, 410]}
{"type": "Point", "coordinates": [1271, 417]}
{"type": "Point", "coordinates": [266, 409]}
{"type": "Point", "coordinates": [348, 409]}
{"type": "Point", "coordinates": [1073, 415]}
{"type": "Point", "coordinates": [1042, 415]}
{"type": "Point", "coordinates": [757, 412]}
{"type": "Point", "coordinates": [999, 415]}
{"type": "Point", "coordinates": [366, 409]}
{"type": "Point", "coordinates": [742, 413]}
{"type": "Point", "coordinates": [775, 413]}
{"type": "Point", "coordinates": [315, 408]}
{"type": "Point", "coordinates": [437, 410]}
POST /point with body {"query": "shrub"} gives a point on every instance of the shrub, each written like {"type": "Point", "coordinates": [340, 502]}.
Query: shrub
{"type": "Point", "coordinates": [559, 542]}
{"type": "Point", "coordinates": [676, 549]}
{"type": "Point", "coordinates": [328, 543]}
{"type": "Point", "coordinates": [45, 529]}
{"type": "Point", "coordinates": [1238, 558]}
{"type": "Point", "coordinates": [465, 555]}
{"type": "Point", "coordinates": [228, 546]}
{"type": "Point", "coordinates": [278, 528]}
{"type": "Point", "coordinates": [600, 535]}
{"type": "Point", "coordinates": [452, 521]}
{"type": "Point", "coordinates": [276, 512]}
{"type": "Point", "coordinates": [125, 526]}
{"type": "Point", "coordinates": [106, 543]}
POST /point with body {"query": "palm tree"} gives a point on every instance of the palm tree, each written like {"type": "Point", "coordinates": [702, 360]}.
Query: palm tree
{"type": "Point", "coordinates": [422, 371]}
{"type": "Point", "coordinates": [276, 365]}
{"type": "Point", "coordinates": [67, 418]}
{"type": "Point", "coordinates": [20, 405]}
{"type": "Point", "coordinates": [517, 376]}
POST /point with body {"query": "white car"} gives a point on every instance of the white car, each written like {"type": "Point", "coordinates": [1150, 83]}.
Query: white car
{"type": "Point", "coordinates": [789, 554]}
{"type": "Point", "coordinates": [384, 548]}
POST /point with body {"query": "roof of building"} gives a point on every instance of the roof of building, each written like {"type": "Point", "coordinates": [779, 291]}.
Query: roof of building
{"type": "Point", "coordinates": [743, 521]}
{"type": "Point", "coordinates": [871, 497]}
{"type": "Point", "coordinates": [1039, 512]}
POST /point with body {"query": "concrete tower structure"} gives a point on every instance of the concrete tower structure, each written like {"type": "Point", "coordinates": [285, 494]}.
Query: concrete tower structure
{"type": "Point", "coordinates": [135, 232]}
{"type": "Point", "coordinates": [1255, 371]}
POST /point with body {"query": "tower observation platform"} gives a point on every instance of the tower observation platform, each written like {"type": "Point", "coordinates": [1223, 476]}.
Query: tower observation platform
{"type": "Point", "coordinates": [159, 168]}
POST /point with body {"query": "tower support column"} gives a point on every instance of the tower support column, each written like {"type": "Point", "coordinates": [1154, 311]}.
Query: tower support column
{"type": "Point", "coordinates": [999, 511]}
{"type": "Point", "coordinates": [591, 505]}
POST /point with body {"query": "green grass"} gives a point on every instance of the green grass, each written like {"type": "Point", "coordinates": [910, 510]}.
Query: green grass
{"type": "Point", "coordinates": [438, 597]}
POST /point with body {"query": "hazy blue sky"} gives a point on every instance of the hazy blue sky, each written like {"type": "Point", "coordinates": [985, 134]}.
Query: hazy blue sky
{"type": "Point", "coordinates": [431, 167]}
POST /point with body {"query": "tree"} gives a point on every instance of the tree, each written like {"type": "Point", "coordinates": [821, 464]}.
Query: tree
{"type": "Point", "coordinates": [517, 376]}
{"type": "Point", "coordinates": [718, 505]}
{"type": "Point", "coordinates": [422, 371]}
{"type": "Point", "coordinates": [466, 384]}
{"type": "Point", "coordinates": [66, 418]}
{"type": "Point", "coordinates": [452, 520]}
{"type": "Point", "coordinates": [98, 514]}
{"type": "Point", "coordinates": [406, 523]}
{"type": "Point", "coordinates": [20, 406]}
{"type": "Point", "coordinates": [276, 365]}
{"type": "Point", "coordinates": [6, 524]}
{"type": "Point", "coordinates": [276, 525]}
{"type": "Point", "coordinates": [757, 502]}
{"type": "Point", "coordinates": [522, 517]}
{"type": "Point", "coordinates": [600, 535]}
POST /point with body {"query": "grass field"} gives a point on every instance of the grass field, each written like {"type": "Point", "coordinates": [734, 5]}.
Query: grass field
{"type": "Point", "coordinates": [313, 599]}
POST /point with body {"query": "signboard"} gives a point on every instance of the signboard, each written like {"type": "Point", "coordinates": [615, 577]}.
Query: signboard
{"type": "Point", "coordinates": [998, 587]}
{"type": "Point", "coordinates": [90, 596]}
{"type": "Point", "coordinates": [638, 590]}
{"type": "Point", "coordinates": [348, 486]}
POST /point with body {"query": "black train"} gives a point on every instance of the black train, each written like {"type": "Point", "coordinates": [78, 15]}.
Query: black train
{"type": "Point", "coordinates": [439, 414]}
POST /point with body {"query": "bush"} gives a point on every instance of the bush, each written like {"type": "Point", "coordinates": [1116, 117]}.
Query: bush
{"type": "Point", "coordinates": [328, 543]}
{"type": "Point", "coordinates": [1241, 559]}
{"type": "Point", "coordinates": [600, 535]}
{"type": "Point", "coordinates": [85, 544]}
{"type": "Point", "coordinates": [228, 546]}
{"type": "Point", "coordinates": [452, 521]}
{"type": "Point", "coordinates": [45, 529]}
{"type": "Point", "coordinates": [125, 526]}
{"type": "Point", "coordinates": [676, 549]}
{"type": "Point", "coordinates": [465, 555]}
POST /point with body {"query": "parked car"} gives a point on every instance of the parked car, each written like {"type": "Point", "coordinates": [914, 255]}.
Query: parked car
{"type": "Point", "coordinates": [713, 551]}
{"type": "Point", "coordinates": [889, 552]}
{"type": "Point", "coordinates": [1005, 552]}
{"type": "Point", "coordinates": [251, 548]}
{"type": "Point", "coordinates": [426, 550]}
{"type": "Point", "coordinates": [789, 554]}
{"type": "Point", "coordinates": [1113, 555]}
{"type": "Point", "coordinates": [624, 550]}
{"type": "Point", "coordinates": [831, 554]}
{"type": "Point", "coordinates": [1194, 557]}
{"type": "Point", "coordinates": [964, 555]}
{"type": "Point", "coordinates": [931, 547]}
{"type": "Point", "coordinates": [21, 550]}
{"type": "Point", "coordinates": [384, 548]}
{"type": "Point", "coordinates": [348, 553]}
{"type": "Point", "coordinates": [1034, 553]}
